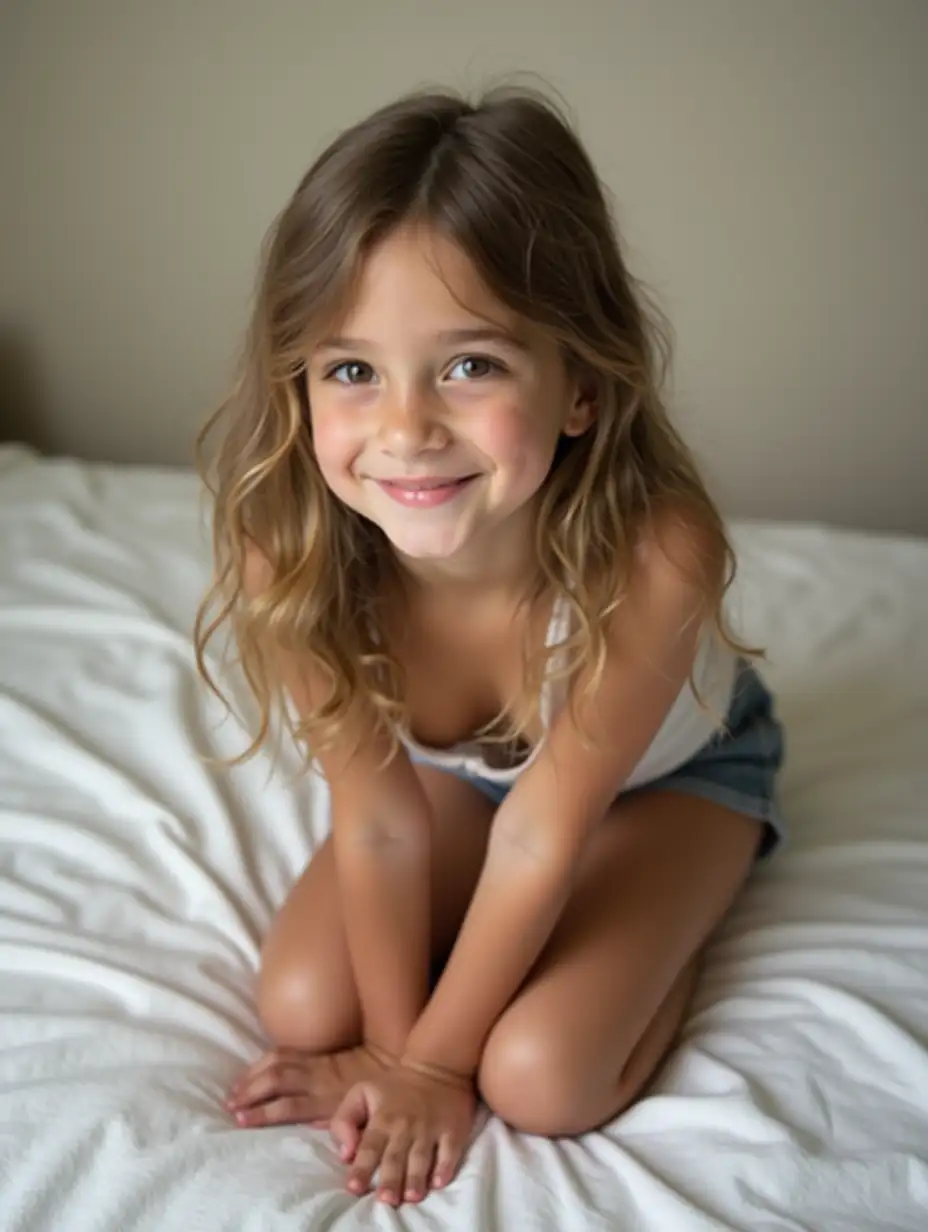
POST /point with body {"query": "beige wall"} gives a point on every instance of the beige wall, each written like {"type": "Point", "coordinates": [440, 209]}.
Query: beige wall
{"type": "Point", "coordinates": [768, 158]}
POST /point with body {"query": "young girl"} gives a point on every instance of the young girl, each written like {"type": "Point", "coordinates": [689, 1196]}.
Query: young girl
{"type": "Point", "coordinates": [459, 539]}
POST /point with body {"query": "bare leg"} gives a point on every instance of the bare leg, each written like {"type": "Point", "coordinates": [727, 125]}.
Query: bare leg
{"type": "Point", "coordinates": [605, 1000]}
{"type": "Point", "coordinates": [306, 993]}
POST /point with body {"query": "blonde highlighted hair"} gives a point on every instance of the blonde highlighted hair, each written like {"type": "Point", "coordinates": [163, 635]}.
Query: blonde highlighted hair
{"type": "Point", "coordinates": [508, 182]}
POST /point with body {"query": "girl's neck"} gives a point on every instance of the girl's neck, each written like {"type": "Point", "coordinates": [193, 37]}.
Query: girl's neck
{"type": "Point", "coordinates": [462, 585]}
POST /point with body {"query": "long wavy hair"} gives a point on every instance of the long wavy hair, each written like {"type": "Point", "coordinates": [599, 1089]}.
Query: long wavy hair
{"type": "Point", "coordinates": [506, 180]}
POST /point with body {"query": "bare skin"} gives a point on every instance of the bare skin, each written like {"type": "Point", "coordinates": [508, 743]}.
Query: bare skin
{"type": "Point", "coordinates": [575, 925]}
{"type": "Point", "coordinates": [585, 1032]}
{"type": "Point", "coordinates": [590, 1025]}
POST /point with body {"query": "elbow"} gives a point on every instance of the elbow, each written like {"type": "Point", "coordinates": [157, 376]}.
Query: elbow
{"type": "Point", "coordinates": [520, 843]}
{"type": "Point", "coordinates": [543, 828]}
{"type": "Point", "coordinates": [385, 839]}
{"type": "Point", "coordinates": [379, 832]}
{"type": "Point", "coordinates": [534, 845]}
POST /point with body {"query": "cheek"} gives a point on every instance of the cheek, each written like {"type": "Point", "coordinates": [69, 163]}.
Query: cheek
{"type": "Point", "coordinates": [519, 443]}
{"type": "Point", "coordinates": [335, 442]}
{"type": "Point", "coordinates": [336, 446]}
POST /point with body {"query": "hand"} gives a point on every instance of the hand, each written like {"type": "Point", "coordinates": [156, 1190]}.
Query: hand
{"type": "Point", "coordinates": [288, 1085]}
{"type": "Point", "coordinates": [413, 1123]}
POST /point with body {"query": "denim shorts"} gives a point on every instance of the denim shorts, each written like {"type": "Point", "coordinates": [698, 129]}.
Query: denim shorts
{"type": "Point", "coordinates": [737, 767]}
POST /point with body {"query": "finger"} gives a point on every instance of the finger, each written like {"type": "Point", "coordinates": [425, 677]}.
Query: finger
{"type": "Point", "coordinates": [448, 1158]}
{"type": "Point", "coordinates": [350, 1118]}
{"type": "Point", "coordinates": [367, 1159]}
{"type": "Point", "coordinates": [277, 1080]}
{"type": "Point", "coordinates": [419, 1170]}
{"type": "Point", "coordinates": [391, 1183]}
{"type": "Point", "coordinates": [290, 1110]}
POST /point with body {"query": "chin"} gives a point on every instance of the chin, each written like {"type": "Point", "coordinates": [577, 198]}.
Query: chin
{"type": "Point", "coordinates": [413, 548]}
{"type": "Point", "coordinates": [427, 543]}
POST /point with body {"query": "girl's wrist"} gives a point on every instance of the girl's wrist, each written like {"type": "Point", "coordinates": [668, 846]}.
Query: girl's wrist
{"type": "Point", "coordinates": [387, 1057]}
{"type": "Point", "coordinates": [461, 1079]}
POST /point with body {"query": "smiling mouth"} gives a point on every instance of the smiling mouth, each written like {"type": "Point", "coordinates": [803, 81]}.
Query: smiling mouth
{"type": "Point", "coordinates": [416, 485]}
{"type": "Point", "coordinates": [424, 493]}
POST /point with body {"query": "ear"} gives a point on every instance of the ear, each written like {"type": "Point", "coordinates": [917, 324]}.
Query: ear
{"type": "Point", "coordinates": [583, 408]}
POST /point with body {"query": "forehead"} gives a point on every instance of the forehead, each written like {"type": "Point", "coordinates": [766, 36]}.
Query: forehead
{"type": "Point", "coordinates": [415, 277]}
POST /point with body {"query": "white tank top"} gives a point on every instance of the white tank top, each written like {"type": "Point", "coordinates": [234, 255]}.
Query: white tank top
{"type": "Point", "coordinates": [686, 728]}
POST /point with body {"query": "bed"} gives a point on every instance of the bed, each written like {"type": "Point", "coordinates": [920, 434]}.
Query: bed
{"type": "Point", "coordinates": [136, 881]}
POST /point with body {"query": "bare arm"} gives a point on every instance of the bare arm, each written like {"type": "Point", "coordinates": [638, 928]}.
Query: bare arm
{"type": "Point", "coordinates": [540, 830]}
{"type": "Point", "coordinates": [382, 840]}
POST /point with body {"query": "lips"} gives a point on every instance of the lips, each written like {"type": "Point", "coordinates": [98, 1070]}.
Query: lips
{"type": "Point", "coordinates": [424, 493]}
{"type": "Point", "coordinates": [418, 485]}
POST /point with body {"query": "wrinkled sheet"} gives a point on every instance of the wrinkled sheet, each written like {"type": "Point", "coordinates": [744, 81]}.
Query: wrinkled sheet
{"type": "Point", "coordinates": [136, 882]}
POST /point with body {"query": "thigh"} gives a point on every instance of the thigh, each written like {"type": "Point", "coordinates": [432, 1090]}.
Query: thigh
{"type": "Point", "coordinates": [306, 991]}
{"type": "Point", "coordinates": [604, 1001]}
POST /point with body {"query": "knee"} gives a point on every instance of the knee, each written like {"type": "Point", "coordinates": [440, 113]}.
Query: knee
{"type": "Point", "coordinates": [305, 1005]}
{"type": "Point", "coordinates": [538, 1084]}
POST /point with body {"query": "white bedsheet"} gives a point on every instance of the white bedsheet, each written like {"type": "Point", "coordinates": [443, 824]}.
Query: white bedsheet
{"type": "Point", "coordinates": [136, 883]}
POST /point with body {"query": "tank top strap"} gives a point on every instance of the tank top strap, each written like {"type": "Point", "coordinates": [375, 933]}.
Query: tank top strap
{"type": "Point", "coordinates": [554, 691]}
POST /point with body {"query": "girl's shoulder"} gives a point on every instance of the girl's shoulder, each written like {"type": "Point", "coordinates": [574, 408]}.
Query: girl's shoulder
{"type": "Point", "coordinates": [676, 542]}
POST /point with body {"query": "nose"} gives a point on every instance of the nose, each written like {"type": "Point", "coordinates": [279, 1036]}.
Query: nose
{"type": "Point", "coordinates": [412, 423]}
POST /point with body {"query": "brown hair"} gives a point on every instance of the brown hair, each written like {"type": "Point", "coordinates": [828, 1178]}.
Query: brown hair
{"type": "Point", "coordinates": [507, 181]}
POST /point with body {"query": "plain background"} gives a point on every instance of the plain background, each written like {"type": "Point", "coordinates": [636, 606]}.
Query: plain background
{"type": "Point", "coordinates": [768, 161]}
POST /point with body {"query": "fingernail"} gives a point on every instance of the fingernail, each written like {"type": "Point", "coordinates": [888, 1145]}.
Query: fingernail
{"type": "Point", "coordinates": [387, 1195]}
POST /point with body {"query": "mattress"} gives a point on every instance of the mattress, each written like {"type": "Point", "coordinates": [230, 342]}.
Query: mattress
{"type": "Point", "coordinates": [137, 880]}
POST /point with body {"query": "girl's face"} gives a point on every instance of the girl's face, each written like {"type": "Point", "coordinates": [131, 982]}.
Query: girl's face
{"type": "Point", "coordinates": [436, 411]}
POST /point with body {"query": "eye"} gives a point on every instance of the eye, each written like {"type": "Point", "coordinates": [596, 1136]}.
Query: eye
{"type": "Point", "coordinates": [473, 368]}
{"type": "Point", "coordinates": [351, 372]}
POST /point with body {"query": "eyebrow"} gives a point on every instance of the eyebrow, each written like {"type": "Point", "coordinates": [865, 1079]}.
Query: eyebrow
{"type": "Point", "coordinates": [341, 342]}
